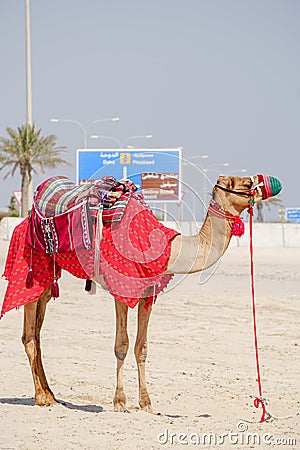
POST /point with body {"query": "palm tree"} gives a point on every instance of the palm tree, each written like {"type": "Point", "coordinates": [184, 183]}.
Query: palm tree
{"type": "Point", "coordinates": [269, 202]}
{"type": "Point", "coordinates": [24, 149]}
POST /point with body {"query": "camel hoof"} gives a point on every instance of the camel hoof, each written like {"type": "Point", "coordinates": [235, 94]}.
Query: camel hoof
{"type": "Point", "coordinates": [46, 400]}
{"type": "Point", "coordinates": [148, 409]}
{"type": "Point", "coordinates": [118, 407]}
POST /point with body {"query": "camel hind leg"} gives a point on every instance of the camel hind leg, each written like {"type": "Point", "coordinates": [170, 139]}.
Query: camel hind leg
{"type": "Point", "coordinates": [121, 349]}
{"type": "Point", "coordinates": [34, 314]}
{"type": "Point", "coordinates": [140, 351]}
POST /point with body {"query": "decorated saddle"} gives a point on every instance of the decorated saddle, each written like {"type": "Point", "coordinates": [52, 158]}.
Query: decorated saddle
{"type": "Point", "coordinates": [63, 213]}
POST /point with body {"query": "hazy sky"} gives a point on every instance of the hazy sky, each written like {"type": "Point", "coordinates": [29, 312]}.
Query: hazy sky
{"type": "Point", "coordinates": [220, 78]}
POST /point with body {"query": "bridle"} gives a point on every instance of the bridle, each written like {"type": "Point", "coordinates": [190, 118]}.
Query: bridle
{"type": "Point", "coordinates": [248, 193]}
{"type": "Point", "coordinates": [238, 227]}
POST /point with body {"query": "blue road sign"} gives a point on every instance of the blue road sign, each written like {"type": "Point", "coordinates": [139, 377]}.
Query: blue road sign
{"type": "Point", "coordinates": [292, 215]}
{"type": "Point", "coordinates": [155, 171]}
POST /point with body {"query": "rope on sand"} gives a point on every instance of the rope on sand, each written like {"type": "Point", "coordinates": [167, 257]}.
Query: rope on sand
{"type": "Point", "coordinates": [271, 417]}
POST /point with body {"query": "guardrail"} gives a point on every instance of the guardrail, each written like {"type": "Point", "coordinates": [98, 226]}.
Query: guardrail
{"type": "Point", "coordinates": [264, 234]}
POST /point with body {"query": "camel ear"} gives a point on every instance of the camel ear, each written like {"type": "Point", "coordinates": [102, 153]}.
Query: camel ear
{"type": "Point", "coordinates": [227, 182]}
{"type": "Point", "coordinates": [224, 181]}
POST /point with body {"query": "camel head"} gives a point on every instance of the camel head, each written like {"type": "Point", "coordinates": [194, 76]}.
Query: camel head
{"type": "Point", "coordinates": [234, 193]}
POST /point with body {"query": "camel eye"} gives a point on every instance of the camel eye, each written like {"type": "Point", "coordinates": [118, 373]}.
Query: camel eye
{"type": "Point", "coordinates": [248, 184]}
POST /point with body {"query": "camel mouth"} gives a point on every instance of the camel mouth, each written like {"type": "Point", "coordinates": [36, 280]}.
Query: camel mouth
{"type": "Point", "coordinates": [270, 186]}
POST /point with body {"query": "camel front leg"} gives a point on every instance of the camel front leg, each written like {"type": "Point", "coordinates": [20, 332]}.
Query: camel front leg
{"type": "Point", "coordinates": [140, 351]}
{"type": "Point", "coordinates": [34, 314]}
{"type": "Point", "coordinates": [121, 349]}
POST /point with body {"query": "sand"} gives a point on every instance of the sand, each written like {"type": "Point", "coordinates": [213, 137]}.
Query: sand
{"type": "Point", "coordinates": [201, 369]}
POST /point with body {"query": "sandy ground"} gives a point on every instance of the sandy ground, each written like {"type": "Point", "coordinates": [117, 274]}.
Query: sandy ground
{"type": "Point", "coordinates": [201, 366]}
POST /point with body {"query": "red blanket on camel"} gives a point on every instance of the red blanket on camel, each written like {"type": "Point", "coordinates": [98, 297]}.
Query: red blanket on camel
{"type": "Point", "coordinates": [134, 256]}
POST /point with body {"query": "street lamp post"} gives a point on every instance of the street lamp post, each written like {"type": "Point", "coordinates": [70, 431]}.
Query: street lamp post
{"type": "Point", "coordinates": [28, 88]}
{"type": "Point", "coordinates": [85, 128]}
{"type": "Point", "coordinates": [28, 64]}
{"type": "Point", "coordinates": [121, 144]}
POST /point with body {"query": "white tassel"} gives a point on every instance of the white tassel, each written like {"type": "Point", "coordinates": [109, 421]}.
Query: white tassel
{"type": "Point", "coordinates": [93, 289]}
{"type": "Point", "coordinates": [98, 238]}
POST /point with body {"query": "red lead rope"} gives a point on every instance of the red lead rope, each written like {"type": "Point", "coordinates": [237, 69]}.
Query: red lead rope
{"type": "Point", "coordinates": [258, 400]}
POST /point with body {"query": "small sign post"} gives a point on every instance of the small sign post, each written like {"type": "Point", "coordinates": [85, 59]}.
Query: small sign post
{"type": "Point", "coordinates": [18, 197]}
{"type": "Point", "coordinates": [292, 215]}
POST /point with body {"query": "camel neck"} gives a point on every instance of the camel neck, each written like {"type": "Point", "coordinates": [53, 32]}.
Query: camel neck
{"type": "Point", "coordinates": [190, 254]}
{"type": "Point", "coordinates": [212, 241]}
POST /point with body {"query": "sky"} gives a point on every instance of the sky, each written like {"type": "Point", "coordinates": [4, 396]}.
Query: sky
{"type": "Point", "coordinates": [215, 77]}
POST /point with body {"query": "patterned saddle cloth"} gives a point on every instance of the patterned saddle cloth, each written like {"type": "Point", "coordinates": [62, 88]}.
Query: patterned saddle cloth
{"type": "Point", "coordinates": [64, 214]}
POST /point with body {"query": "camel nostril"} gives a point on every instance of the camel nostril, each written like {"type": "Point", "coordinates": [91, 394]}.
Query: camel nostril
{"type": "Point", "coordinates": [276, 185]}
{"type": "Point", "coordinates": [270, 186]}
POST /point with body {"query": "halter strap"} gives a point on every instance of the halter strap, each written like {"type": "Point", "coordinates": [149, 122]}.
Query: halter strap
{"type": "Point", "coordinates": [238, 227]}
{"type": "Point", "coordinates": [217, 210]}
{"type": "Point", "coordinates": [248, 193]}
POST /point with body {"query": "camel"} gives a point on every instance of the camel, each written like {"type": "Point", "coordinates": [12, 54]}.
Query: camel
{"type": "Point", "coordinates": [189, 254]}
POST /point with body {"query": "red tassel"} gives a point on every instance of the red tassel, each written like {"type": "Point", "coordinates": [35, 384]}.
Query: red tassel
{"type": "Point", "coordinates": [29, 279]}
{"type": "Point", "coordinates": [55, 289]}
{"type": "Point", "coordinates": [238, 227]}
